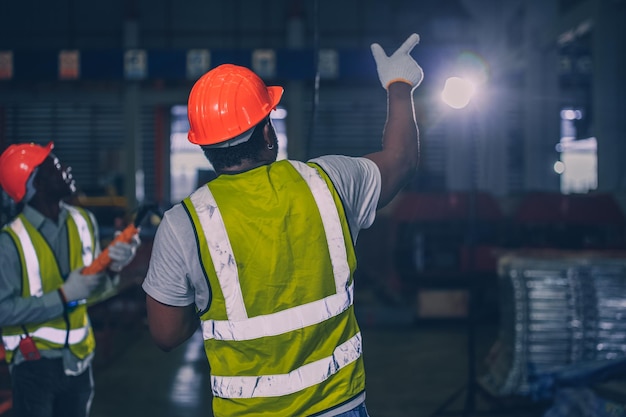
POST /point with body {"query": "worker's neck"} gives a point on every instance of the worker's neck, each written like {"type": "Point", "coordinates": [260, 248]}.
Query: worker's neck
{"type": "Point", "coordinates": [49, 209]}
{"type": "Point", "coordinates": [246, 165]}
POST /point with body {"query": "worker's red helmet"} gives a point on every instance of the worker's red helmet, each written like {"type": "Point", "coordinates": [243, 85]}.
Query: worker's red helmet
{"type": "Point", "coordinates": [17, 163]}
{"type": "Point", "coordinates": [226, 103]}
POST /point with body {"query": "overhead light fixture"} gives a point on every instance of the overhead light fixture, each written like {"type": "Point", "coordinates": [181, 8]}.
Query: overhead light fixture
{"type": "Point", "coordinates": [457, 92]}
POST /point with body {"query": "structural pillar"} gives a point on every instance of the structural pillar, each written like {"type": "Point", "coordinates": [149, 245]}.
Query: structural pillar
{"type": "Point", "coordinates": [133, 175]}
{"type": "Point", "coordinates": [294, 90]}
{"type": "Point", "coordinates": [609, 91]}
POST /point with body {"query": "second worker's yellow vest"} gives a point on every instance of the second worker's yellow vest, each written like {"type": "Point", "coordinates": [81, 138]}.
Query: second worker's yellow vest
{"type": "Point", "coordinates": [41, 274]}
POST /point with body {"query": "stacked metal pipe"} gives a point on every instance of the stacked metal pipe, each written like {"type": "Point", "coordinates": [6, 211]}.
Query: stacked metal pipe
{"type": "Point", "coordinates": [558, 313]}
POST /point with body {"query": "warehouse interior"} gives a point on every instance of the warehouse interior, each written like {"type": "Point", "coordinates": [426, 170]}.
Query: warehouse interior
{"type": "Point", "coordinates": [494, 283]}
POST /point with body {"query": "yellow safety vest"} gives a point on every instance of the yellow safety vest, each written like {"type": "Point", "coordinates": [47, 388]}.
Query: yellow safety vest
{"type": "Point", "coordinates": [41, 274]}
{"type": "Point", "coordinates": [280, 334]}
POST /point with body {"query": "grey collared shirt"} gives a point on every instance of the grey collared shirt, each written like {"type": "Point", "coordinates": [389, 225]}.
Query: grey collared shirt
{"type": "Point", "coordinates": [16, 310]}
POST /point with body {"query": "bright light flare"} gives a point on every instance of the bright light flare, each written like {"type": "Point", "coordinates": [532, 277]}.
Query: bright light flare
{"type": "Point", "coordinates": [457, 92]}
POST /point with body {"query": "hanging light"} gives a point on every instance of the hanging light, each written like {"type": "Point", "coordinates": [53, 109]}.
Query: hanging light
{"type": "Point", "coordinates": [457, 92]}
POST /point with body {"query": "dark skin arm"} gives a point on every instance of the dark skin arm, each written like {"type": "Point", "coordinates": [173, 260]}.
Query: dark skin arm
{"type": "Point", "coordinates": [170, 326]}
{"type": "Point", "coordinates": [399, 157]}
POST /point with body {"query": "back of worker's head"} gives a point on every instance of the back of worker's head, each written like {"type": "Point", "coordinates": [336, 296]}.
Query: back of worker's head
{"type": "Point", "coordinates": [18, 166]}
{"type": "Point", "coordinates": [225, 157]}
{"type": "Point", "coordinates": [226, 104]}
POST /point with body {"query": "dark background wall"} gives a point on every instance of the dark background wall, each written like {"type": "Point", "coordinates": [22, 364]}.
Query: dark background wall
{"type": "Point", "coordinates": [538, 56]}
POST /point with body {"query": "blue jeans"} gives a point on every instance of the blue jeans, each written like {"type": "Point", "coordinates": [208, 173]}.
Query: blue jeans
{"type": "Point", "coordinates": [359, 411]}
{"type": "Point", "coordinates": [41, 389]}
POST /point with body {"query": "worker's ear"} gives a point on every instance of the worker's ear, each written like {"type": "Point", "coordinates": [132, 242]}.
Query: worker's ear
{"type": "Point", "coordinates": [268, 134]}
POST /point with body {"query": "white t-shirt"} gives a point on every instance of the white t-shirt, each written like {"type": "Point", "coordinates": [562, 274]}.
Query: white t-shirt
{"type": "Point", "coordinates": [175, 275]}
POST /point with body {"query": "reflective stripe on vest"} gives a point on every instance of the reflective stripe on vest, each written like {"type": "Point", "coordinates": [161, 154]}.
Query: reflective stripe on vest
{"type": "Point", "coordinates": [296, 380]}
{"type": "Point", "coordinates": [281, 322]}
{"type": "Point", "coordinates": [84, 232]}
{"type": "Point", "coordinates": [30, 258]}
{"type": "Point", "coordinates": [240, 327]}
{"type": "Point", "coordinates": [50, 334]}
{"type": "Point", "coordinates": [30, 255]}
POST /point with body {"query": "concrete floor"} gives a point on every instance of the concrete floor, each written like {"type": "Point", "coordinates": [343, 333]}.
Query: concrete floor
{"type": "Point", "coordinates": [411, 371]}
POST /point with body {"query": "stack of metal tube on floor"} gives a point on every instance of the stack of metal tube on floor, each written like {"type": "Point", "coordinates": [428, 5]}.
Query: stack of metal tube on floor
{"type": "Point", "coordinates": [559, 313]}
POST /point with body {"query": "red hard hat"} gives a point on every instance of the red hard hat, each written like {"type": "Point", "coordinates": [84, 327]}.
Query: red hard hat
{"type": "Point", "coordinates": [17, 162]}
{"type": "Point", "coordinates": [226, 103]}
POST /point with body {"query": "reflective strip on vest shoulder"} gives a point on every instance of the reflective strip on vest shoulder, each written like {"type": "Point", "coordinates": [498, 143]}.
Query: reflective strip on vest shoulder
{"type": "Point", "coordinates": [221, 251]}
{"type": "Point", "coordinates": [30, 258]}
{"type": "Point", "coordinates": [332, 224]}
{"type": "Point", "coordinates": [296, 380]}
{"type": "Point", "coordinates": [11, 342]}
{"type": "Point", "coordinates": [84, 233]}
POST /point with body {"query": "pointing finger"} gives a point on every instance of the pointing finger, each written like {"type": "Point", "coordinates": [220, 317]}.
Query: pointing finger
{"type": "Point", "coordinates": [409, 44]}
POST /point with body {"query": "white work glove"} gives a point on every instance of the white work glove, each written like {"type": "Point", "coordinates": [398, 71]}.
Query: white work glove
{"type": "Point", "coordinates": [400, 66]}
{"type": "Point", "coordinates": [79, 286]}
{"type": "Point", "coordinates": [122, 253]}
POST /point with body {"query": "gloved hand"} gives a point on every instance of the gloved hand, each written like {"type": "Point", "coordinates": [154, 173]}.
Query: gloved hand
{"type": "Point", "coordinates": [400, 66]}
{"type": "Point", "coordinates": [79, 286]}
{"type": "Point", "coordinates": [122, 254]}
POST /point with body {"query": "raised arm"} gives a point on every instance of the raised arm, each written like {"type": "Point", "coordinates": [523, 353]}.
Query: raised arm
{"type": "Point", "coordinates": [397, 161]}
